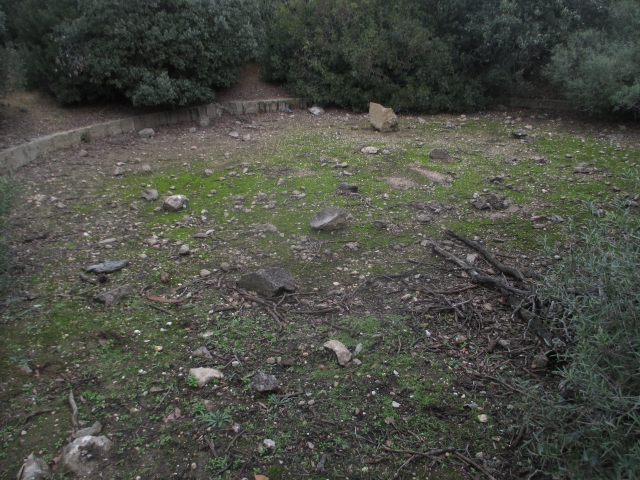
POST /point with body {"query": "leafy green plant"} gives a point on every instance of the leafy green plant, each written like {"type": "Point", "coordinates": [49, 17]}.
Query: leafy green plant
{"type": "Point", "coordinates": [593, 423]}
{"type": "Point", "coordinates": [192, 381]}
{"type": "Point", "coordinates": [217, 419]}
{"type": "Point", "coordinates": [217, 463]}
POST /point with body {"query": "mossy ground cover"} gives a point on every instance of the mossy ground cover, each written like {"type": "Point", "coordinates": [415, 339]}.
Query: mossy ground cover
{"type": "Point", "coordinates": [408, 410]}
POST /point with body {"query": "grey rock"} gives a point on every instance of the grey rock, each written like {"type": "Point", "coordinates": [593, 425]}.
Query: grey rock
{"type": "Point", "coordinates": [202, 352]}
{"type": "Point", "coordinates": [184, 250]}
{"type": "Point", "coordinates": [204, 273]}
{"type": "Point", "coordinates": [492, 201]}
{"type": "Point", "coordinates": [234, 134]}
{"type": "Point", "coordinates": [540, 160]}
{"type": "Point", "coordinates": [34, 468]}
{"type": "Point", "coordinates": [147, 133]}
{"type": "Point", "coordinates": [93, 430]}
{"type": "Point", "coordinates": [83, 153]}
{"type": "Point", "coordinates": [108, 266]}
{"type": "Point", "coordinates": [204, 122]}
{"type": "Point", "coordinates": [519, 134]}
{"type": "Point", "coordinates": [118, 171]}
{"type": "Point", "coordinates": [247, 137]}
{"type": "Point", "coordinates": [348, 187]}
{"type": "Point", "coordinates": [150, 194]}
{"type": "Point", "coordinates": [448, 124]}
{"type": "Point", "coordinates": [83, 455]}
{"type": "Point", "coordinates": [331, 218]}
{"type": "Point", "coordinates": [382, 119]}
{"type": "Point", "coordinates": [439, 154]}
{"type": "Point", "coordinates": [25, 369]}
{"type": "Point", "coordinates": [146, 168]}
{"type": "Point", "coordinates": [316, 111]}
{"type": "Point", "coordinates": [380, 224]}
{"type": "Point", "coordinates": [541, 360]}
{"type": "Point", "coordinates": [208, 173]}
{"type": "Point", "coordinates": [112, 297]}
{"type": "Point", "coordinates": [175, 203]}
{"type": "Point", "coordinates": [370, 150]}
{"type": "Point", "coordinates": [225, 267]}
{"type": "Point", "coordinates": [342, 353]}
{"type": "Point", "coordinates": [193, 130]}
{"type": "Point", "coordinates": [423, 218]}
{"type": "Point", "coordinates": [262, 382]}
{"type": "Point", "coordinates": [582, 168]}
{"type": "Point", "coordinates": [268, 282]}
{"type": "Point", "coordinates": [204, 375]}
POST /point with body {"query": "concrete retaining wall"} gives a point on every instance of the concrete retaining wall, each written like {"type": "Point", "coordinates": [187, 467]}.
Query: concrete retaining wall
{"type": "Point", "coordinates": [16, 157]}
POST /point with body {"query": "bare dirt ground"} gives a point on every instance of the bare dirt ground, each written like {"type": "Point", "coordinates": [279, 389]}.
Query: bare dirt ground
{"type": "Point", "coordinates": [440, 350]}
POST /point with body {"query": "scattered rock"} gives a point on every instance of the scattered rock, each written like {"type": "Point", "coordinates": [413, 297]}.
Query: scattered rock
{"type": "Point", "coordinates": [202, 352]}
{"type": "Point", "coordinates": [519, 134]}
{"type": "Point", "coordinates": [205, 273]}
{"type": "Point", "coordinates": [439, 154]}
{"type": "Point", "coordinates": [483, 418]}
{"type": "Point", "coordinates": [316, 111]}
{"type": "Point", "coordinates": [460, 339]}
{"type": "Point", "coordinates": [204, 122]}
{"type": "Point", "coordinates": [492, 201]}
{"type": "Point", "coordinates": [208, 173]}
{"type": "Point", "coordinates": [150, 194]}
{"type": "Point", "coordinates": [108, 266]}
{"type": "Point", "coordinates": [262, 382]}
{"type": "Point", "coordinates": [118, 171]}
{"type": "Point", "coordinates": [34, 468]}
{"type": "Point", "coordinates": [146, 168]}
{"type": "Point", "coordinates": [268, 282]}
{"type": "Point", "coordinates": [448, 124]}
{"type": "Point", "coordinates": [381, 118]}
{"type": "Point", "coordinates": [172, 416]}
{"type": "Point", "coordinates": [204, 375]}
{"type": "Point", "coordinates": [83, 153]}
{"type": "Point", "coordinates": [423, 218]}
{"type": "Point", "coordinates": [112, 297]}
{"type": "Point", "coordinates": [225, 267]}
{"type": "Point", "coordinates": [331, 218]}
{"type": "Point", "coordinates": [269, 443]}
{"type": "Point", "coordinates": [422, 121]}
{"type": "Point", "coordinates": [540, 160]}
{"type": "Point", "coordinates": [184, 250]}
{"type": "Point", "coordinates": [93, 430]}
{"type": "Point", "coordinates": [246, 137]}
{"type": "Point", "coordinates": [582, 168]}
{"type": "Point", "coordinates": [348, 187]}
{"type": "Point", "coordinates": [82, 456]}
{"type": "Point", "coordinates": [381, 224]}
{"type": "Point", "coordinates": [175, 203]}
{"type": "Point", "coordinates": [164, 277]}
{"type": "Point", "coordinates": [147, 133]}
{"type": "Point", "coordinates": [343, 354]}
{"type": "Point", "coordinates": [540, 360]}
{"type": "Point", "coordinates": [234, 134]}
{"type": "Point", "coordinates": [193, 130]}
{"type": "Point", "coordinates": [370, 150]}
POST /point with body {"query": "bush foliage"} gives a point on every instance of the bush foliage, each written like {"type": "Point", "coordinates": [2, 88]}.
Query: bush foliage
{"type": "Point", "coordinates": [596, 433]}
{"type": "Point", "coordinates": [154, 52]}
{"type": "Point", "coordinates": [599, 68]}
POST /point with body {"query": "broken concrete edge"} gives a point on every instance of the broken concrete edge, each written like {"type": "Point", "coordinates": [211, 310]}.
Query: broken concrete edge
{"type": "Point", "coordinates": [16, 157]}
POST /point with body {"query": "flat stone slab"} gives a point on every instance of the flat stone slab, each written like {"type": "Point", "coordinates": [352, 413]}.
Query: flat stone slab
{"type": "Point", "coordinates": [108, 266]}
{"type": "Point", "coordinates": [342, 352]}
{"type": "Point", "coordinates": [261, 382]}
{"type": "Point", "coordinates": [331, 218]}
{"type": "Point", "coordinates": [268, 282]}
{"type": "Point", "coordinates": [204, 375]}
{"type": "Point", "coordinates": [439, 154]}
{"type": "Point", "coordinates": [113, 297]}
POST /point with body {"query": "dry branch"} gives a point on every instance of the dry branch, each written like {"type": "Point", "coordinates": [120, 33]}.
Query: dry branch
{"type": "Point", "coordinates": [507, 270]}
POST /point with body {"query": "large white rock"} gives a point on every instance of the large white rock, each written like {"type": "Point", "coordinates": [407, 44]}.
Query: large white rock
{"type": "Point", "coordinates": [381, 118]}
{"type": "Point", "coordinates": [342, 352]}
{"type": "Point", "coordinates": [203, 375]}
{"type": "Point", "coordinates": [84, 454]}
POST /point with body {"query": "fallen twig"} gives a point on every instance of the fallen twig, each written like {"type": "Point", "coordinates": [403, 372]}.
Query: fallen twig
{"type": "Point", "coordinates": [511, 271]}
{"type": "Point", "coordinates": [39, 412]}
{"type": "Point", "coordinates": [475, 465]}
{"type": "Point", "coordinates": [431, 453]}
{"type": "Point", "coordinates": [74, 413]}
{"type": "Point", "coordinates": [156, 298]}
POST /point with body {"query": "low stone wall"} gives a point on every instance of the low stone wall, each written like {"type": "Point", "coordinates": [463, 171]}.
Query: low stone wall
{"type": "Point", "coordinates": [16, 157]}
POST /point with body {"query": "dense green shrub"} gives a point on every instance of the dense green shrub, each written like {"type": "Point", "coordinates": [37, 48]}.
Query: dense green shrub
{"type": "Point", "coordinates": [350, 53]}
{"type": "Point", "coordinates": [155, 52]}
{"type": "Point", "coordinates": [596, 432]}
{"type": "Point", "coordinates": [9, 63]}
{"type": "Point", "coordinates": [599, 69]}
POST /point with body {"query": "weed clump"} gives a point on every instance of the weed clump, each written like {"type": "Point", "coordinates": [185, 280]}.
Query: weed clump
{"type": "Point", "coordinates": [593, 423]}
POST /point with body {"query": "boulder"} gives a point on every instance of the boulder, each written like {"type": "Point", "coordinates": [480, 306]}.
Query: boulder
{"type": "Point", "coordinates": [147, 133]}
{"type": "Point", "coordinates": [34, 468]}
{"type": "Point", "coordinates": [381, 118]}
{"type": "Point", "coordinates": [342, 353]}
{"type": "Point", "coordinates": [113, 297]}
{"type": "Point", "coordinates": [268, 282]}
{"type": "Point", "coordinates": [151, 194]}
{"type": "Point", "coordinates": [202, 352]}
{"type": "Point", "coordinates": [203, 375]}
{"type": "Point", "coordinates": [348, 187]}
{"type": "Point", "coordinates": [261, 382]}
{"type": "Point", "coordinates": [93, 430]}
{"type": "Point", "coordinates": [82, 456]}
{"type": "Point", "coordinates": [439, 154]}
{"type": "Point", "coordinates": [331, 218]}
{"type": "Point", "coordinates": [316, 111]}
{"type": "Point", "coordinates": [175, 203]}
